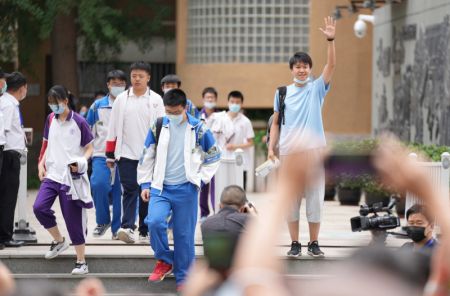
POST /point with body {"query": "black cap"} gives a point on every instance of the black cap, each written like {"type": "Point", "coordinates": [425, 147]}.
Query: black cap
{"type": "Point", "coordinates": [171, 78]}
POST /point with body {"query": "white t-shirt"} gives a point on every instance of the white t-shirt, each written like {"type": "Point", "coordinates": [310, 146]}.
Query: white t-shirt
{"type": "Point", "coordinates": [140, 113]}
{"type": "Point", "coordinates": [242, 131]}
{"type": "Point", "coordinates": [66, 140]}
{"type": "Point", "coordinates": [14, 134]}
{"type": "Point", "coordinates": [2, 128]}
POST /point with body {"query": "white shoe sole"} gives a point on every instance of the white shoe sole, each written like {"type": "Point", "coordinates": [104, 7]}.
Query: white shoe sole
{"type": "Point", "coordinates": [80, 273]}
{"type": "Point", "coordinates": [294, 256]}
{"type": "Point", "coordinates": [123, 236]}
{"type": "Point", "coordinates": [315, 256]}
{"type": "Point", "coordinates": [63, 248]}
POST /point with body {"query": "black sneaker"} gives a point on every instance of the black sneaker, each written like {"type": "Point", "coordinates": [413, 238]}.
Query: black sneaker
{"type": "Point", "coordinates": [314, 249]}
{"type": "Point", "coordinates": [100, 229]}
{"type": "Point", "coordinates": [296, 249]}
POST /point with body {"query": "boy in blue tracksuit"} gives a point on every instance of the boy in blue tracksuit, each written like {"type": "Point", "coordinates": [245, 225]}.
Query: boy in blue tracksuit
{"type": "Point", "coordinates": [180, 155]}
{"type": "Point", "coordinates": [101, 187]}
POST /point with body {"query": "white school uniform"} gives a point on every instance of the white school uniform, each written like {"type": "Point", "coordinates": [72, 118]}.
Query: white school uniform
{"type": "Point", "coordinates": [66, 140]}
{"type": "Point", "coordinates": [242, 131]}
{"type": "Point", "coordinates": [13, 126]}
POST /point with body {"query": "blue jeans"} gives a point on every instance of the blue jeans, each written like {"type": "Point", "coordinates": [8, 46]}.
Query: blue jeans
{"type": "Point", "coordinates": [101, 190]}
{"type": "Point", "coordinates": [182, 200]}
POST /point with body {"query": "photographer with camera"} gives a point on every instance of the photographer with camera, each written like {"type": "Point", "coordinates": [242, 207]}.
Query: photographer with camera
{"type": "Point", "coordinates": [420, 229]}
{"type": "Point", "coordinates": [234, 212]}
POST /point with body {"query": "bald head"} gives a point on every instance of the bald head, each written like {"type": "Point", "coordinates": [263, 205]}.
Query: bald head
{"type": "Point", "coordinates": [233, 195]}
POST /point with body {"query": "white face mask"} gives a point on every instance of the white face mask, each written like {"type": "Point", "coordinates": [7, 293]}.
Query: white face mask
{"type": "Point", "coordinates": [176, 119]}
{"type": "Point", "coordinates": [117, 90]}
{"type": "Point", "coordinates": [302, 81]}
{"type": "Point", "coordinates": [210, 105]}
{"type": "Point", "coordinates": [166, 89]}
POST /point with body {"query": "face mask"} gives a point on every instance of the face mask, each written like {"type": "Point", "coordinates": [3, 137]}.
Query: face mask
{"type": "Point", "coordinates": [416, 233]}
{"type": "Point", "coordinates": [234, 108]}
{"type": "Point", "coordinates": [83, 114]}
{"type": "Point", "coordinates": [210, 105]}
{"type": "Point", "coordinates": [302, 81]}
{"type": "Point", "coordinates": [166, 89]}
{"type": "Point", "coordinates": [57, 109]}
{"type": "Point", "coordinates": [4, 88]}
{"type": "Point", "coordinates": [117, 90]}
{"type": "Point", "coordinates": [176, 119]}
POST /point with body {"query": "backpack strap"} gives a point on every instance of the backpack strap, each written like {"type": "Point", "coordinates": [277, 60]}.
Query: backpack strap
{"type": "Point", "coordinates": [159, 123]}
{"type": "Point", "coordinates": [281, 105]}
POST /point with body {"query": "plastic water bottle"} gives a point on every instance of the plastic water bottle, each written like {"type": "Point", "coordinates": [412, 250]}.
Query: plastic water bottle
{"type": "Point", "coordinates": [265, 169]}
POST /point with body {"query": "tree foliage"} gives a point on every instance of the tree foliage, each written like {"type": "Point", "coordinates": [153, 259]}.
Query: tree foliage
{"type": "Point", "coordinates": [103, 25]}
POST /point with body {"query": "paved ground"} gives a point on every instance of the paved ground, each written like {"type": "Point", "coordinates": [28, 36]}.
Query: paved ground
{"type": "Point", "coordinates": [335, 236]}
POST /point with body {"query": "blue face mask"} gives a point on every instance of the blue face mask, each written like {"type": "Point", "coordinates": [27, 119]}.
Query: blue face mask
{"type": "Point", "coordinates": [4, 88]}
{"type": "Point", "coordinates": [176, 119]}
{"type": "Point", "coordinates": [235, 108]}
{"type": "Point", "coordinates": [57, 109]}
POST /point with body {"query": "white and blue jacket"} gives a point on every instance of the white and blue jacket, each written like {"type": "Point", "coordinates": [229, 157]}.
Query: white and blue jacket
{"type": "Point", "coordinates": [98, 119]}
{"type": "Point", "coordinates": [201, 155]}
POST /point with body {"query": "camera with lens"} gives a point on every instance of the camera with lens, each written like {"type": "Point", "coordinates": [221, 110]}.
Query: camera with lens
{"type": "Point", "coordinates": [375, 221]}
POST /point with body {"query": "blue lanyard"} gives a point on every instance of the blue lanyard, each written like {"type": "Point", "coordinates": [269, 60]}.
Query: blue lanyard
{"type": "Point", "coordinates": [429, 243]}
{"type": "Point", "coordinates": [20, 116]}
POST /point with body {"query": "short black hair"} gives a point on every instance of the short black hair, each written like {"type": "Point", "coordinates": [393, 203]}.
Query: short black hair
{"type": "Point", "coordinates": [2, 74]}
{"type": "Point", "coordinates": [171, 78]}
{"type": "Point", "coordinates": [15, 80]}
{"type": "Point", "coordinates": [60, 93]}
{"type": "Point", "coordinates": [116, 74]}
{"type": "Point", "coordinates": [419, 209]}
{"type": "Point", "coordinates": [175, 97]}
{"type": "Point", "coordinates": [233, 195]}
{"type": "Point", "coordinates": [141, 65]}
{"type": "Point", "coordinates": [236, 94]}
{"type": "Point", "coordinates": [210, 90]}
{"type": "Point", "coordinates": [100, 92]}
{"type": "Point", "coordinates": [300, 57]}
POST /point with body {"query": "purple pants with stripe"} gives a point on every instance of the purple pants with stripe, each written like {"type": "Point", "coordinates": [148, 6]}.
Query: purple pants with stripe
{"type": "Point", "coordinates": [74, 215]}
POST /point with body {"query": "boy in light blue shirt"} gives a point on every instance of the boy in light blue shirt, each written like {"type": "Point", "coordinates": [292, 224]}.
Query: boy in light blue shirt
{"type": "Point", "coordinates": [295, 119]}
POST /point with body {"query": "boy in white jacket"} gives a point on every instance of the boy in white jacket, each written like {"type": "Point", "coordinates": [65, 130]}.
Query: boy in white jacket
{"type": "Point", "coordinates": [132, 114]}
{"type": "Point", "coordinates": [180, 154]}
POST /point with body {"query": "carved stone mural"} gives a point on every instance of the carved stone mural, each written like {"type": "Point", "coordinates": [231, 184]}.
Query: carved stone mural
{"type": "Point", "coordinates": [411, 73]}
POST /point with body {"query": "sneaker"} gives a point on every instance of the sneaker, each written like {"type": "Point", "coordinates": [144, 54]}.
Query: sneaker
{"type": "Point", "coordinates": [80, 268]}
{"type": "Point", "coordinates": [126, 235]}
{"type": "Point", "coordinates": [162, 269]}
{"type": "Point", "coordinates": [100, 229]}
{"type": "Point", "coordinates": [314, 249]}
{"type": "Point", "coordinates": [144, 238]}
{"type": "Point", "coordinates": [114, 236]}
{"type": "Point", "coordinates": [57, 248]}
{"type": "Point", "coordinates": [296, 249]}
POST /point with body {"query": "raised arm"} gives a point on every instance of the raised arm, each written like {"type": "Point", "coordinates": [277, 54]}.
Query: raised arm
{"type": "Point", "coordinates": [329, 32]}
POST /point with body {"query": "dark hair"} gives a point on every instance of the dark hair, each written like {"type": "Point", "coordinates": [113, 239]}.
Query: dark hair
{"type": "Point", "coordinates": [233, 195]}
{"type": "Point", "coordinates": [175, 97]}
{"type": "Point", "coordinates": [2, 74]}
{"type": "Point", "coordinates": [15, 80]}
{"type": "Point", "coordinates": [210, 90]}
{"type": "Point", "coordinates": [100, 93]}
{"type": "Point", "coordinates": [60, 93]}
{"type": "Point", "coordinates": [300, 57]}
{"type": "Point", "coordinates": [171, 78]}
{"type": "Point", "coordinates": [116, 74]}
{"type": "Point", "coordinates": [236, 94]}
{"type": "Point", "coordinates": [419, 209]}
{"type": "Point", "coordinates": [141, 65]}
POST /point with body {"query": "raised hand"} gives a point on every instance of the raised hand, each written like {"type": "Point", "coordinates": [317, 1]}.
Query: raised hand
{"type": "Point", "coordinates": [330, 27]}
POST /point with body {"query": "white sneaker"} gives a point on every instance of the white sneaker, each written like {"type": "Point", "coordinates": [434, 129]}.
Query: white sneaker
{"type": "Point", "coordinates": [114, 236]}
{"type": "Point", "coordinates": [57, 248]}
{"type": "Point", "coordinates": [80, 268]}
{"type": "Point", "coordinates": [126, 235]}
